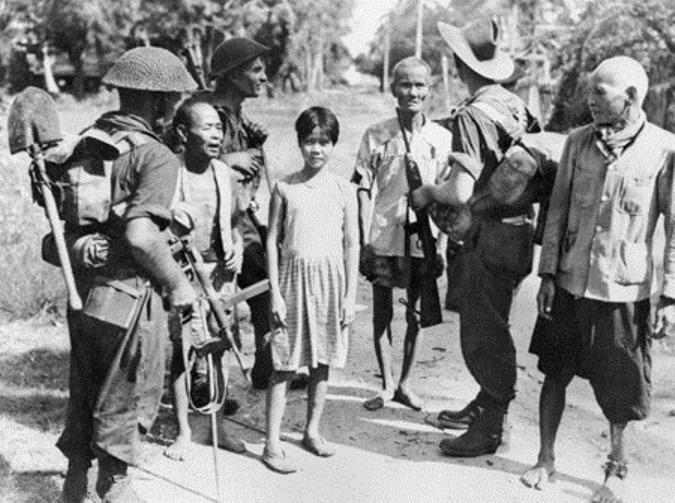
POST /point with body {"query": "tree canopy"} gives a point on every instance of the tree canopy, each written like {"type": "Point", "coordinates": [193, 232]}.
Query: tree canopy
{"type": "Point", "coordinates": [304, 35]}
{"type": "Point", "coordinates": [641, 29]}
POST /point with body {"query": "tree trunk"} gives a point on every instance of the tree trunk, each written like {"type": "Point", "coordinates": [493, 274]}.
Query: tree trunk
{"type": "Point", "coordinates": [418, 29]}
{"type": "Point", "coordinates": [384, 81]}
{"type": "Point", "coordinates": [76, 59]}
{"type": "Point", "coordinates": [47, 64]}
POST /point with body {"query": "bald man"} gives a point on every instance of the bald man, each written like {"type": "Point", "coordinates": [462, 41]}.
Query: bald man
{"type": "Point", "coordinates": [381, 171]}
{"type": "Point", "coordinates": [615, 178]}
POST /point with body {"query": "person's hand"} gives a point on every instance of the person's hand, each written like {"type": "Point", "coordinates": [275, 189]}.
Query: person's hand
{"type": "Point", "coordinates": [664, 323]}
{"type": "Point", "coordinates": [420, 198]}
{"type": "Point", "coordinates": [230, 262]}
{"type": "Point", "coordinates": [278, 308]}
{"type": "Point", "coordinates": [247, 162]}
{"type": "Point", "coordinates": [182, 298]}
{"type": "Point", "coordinates": [258, 132]}
{"type": "Point", "coordinates": [545, 298]}
{"type": "Point", "coordinates": [348, 312]}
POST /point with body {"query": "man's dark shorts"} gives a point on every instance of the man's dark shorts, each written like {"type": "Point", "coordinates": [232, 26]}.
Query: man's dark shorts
{"type": "Point", "coordinates": [607, 343]}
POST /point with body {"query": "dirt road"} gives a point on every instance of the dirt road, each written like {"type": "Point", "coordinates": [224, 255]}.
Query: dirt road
{"type": "Point", "coordinates": [387, 456]}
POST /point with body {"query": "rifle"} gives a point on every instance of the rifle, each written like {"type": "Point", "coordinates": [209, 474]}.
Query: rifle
{"type": "Point", "coordinates": [193, 63]}
{"type": "Point", "coordinates": [430, 303]}
{"type": "Point", "coordinates": [192, 264]}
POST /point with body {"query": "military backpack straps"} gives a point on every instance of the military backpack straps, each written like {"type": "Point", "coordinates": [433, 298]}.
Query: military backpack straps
{"type": "Point", "coordinates": [526, 172]}
{"type": "Point", "coordinates": [81, 169]}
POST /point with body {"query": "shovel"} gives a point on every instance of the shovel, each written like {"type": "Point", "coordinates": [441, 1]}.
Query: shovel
{"type": "Point", "coordinates": [33, 126]}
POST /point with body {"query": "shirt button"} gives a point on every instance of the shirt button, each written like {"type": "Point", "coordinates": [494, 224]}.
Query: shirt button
{"type": "Point", "coordinates": [604, 198]}
{"type": "Point", "coordinates": [598, 229]}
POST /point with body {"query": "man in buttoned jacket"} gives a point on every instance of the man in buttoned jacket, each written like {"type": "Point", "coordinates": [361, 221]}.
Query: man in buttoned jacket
{"type": "Point", "coordinates": [615, 179]}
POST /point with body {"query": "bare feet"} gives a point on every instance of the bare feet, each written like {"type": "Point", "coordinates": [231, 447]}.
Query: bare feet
{"type": "Point", "coordinates": [539, 476]}
{"type": "Point", "coordinates": [378, 401]}
{"type": "Point", "coordinates": [179, 448]}
{"type": "Point", "coordinates": [611, 492]}
{"type": "Point", "coordinates": [229, 443]}
{"type": "Point", "coordinates": [408, 398]}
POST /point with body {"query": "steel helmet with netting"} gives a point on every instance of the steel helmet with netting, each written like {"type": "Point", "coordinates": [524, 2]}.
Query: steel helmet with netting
{"type": "Point", "coordinates": [150, 69]}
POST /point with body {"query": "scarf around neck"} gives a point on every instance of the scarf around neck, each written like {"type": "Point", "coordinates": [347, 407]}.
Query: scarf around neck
{"type": "Point", "coordinates": [613, 143]}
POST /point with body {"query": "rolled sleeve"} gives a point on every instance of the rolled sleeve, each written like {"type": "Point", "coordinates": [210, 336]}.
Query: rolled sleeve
{"type": "Point", "coordinates": [156, 174]}
{"type": "Point", "coordinates": [556, 218]}
{"type": "Point", "coordinates": [466, 138]}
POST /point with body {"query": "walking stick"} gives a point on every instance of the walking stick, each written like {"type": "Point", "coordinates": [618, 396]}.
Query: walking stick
{"type": "Point", "coordinates": [214, 445]}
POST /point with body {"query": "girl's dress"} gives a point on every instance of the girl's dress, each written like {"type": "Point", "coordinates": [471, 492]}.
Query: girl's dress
{"type": "Point", "coordinates": [312, 272]}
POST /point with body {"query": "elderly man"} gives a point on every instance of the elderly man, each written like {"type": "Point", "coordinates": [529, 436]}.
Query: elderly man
{"type": "Point", "coordinates": [117, 341]}
{"type": "Point", "coordinates": [380, 167]}
{"type": "Point", "coordinates": [204, 193]}
{"type": "Point", "coordinates": [615, 178]}
{"type": "Point", "coordinates": [497, 255]}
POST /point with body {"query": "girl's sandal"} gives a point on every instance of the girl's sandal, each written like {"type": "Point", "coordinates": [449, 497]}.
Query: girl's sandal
{"type": "Point", "coordinates": [318, 446]}
{"type": "Point", "coordinates": [277, 462]}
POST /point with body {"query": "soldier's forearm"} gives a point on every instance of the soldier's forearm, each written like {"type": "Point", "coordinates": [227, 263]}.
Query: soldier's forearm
{"type": "Point", "coordinates": [150, 249]}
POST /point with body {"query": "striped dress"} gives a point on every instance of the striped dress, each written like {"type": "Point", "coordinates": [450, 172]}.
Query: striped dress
{"type": "Point", "coordinates": [311, 272]}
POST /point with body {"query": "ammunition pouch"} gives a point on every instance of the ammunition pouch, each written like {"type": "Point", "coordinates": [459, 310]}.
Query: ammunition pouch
{"type": "Point", "coordinates": [115, 302]}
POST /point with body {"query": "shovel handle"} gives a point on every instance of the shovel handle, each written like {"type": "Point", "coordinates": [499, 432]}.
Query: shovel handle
{"type": "Point", "coordinates": [74, 300]}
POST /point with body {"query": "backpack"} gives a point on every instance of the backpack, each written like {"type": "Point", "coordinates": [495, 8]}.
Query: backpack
{"type": "Point", "coordinates": [526, 173]}
{"type": "Point", "coordinates": [81, 169]}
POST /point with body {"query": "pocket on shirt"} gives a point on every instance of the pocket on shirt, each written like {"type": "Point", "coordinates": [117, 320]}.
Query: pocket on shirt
{"type": "Point", "coordinates": [636, 195]}
{"type": "Point", "coordinates": [633, 264]}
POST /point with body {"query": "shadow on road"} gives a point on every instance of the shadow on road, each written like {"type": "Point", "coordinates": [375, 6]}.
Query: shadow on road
{"type": "Point", "coordinates": [33, 388]}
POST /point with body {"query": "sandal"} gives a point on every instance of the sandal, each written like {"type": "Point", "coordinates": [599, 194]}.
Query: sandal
{"type": "Point", "coordinates": [277, 462]}
{"type": "Point", "coordinates": [374, 403]}
{"type": "Point", "coordinates": [318, 446]}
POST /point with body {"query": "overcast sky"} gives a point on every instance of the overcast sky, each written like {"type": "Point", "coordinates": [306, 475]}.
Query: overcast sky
{"type": "Point", "coordinates": [366, 19]}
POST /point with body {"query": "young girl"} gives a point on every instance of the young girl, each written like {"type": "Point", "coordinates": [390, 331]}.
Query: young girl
{"type": "Point", "coordinates": [312, 255]}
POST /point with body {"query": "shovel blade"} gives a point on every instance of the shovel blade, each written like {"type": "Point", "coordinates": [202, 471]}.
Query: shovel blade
{"type": "Point", "coordinates": [32, 120]}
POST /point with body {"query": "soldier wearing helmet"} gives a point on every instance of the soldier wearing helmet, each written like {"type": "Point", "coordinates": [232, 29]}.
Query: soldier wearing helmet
{"type": "Point", "coordinates": [117, 355]}
{"type": "Point", "coordinates": [238, 67]}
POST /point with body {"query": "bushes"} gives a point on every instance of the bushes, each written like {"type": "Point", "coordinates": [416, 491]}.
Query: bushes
{"type": "Point", "coordinates": [27, 284]}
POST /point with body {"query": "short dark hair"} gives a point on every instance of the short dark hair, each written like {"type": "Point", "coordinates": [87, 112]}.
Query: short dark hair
{"type": "Point", "coordinates": [320, 117]}
{"type": "Point", "coordinates": [183, 116]}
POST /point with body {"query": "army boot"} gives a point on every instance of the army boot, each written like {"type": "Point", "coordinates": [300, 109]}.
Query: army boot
{"type": "Point", "coordinates": [464, 418]}
{"type": "Point", "coordinates": [113, 484]}
{"type": "Point", "coordinates": [482, 437]}
{"type": "Point", "coordinates": [75, 486]}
